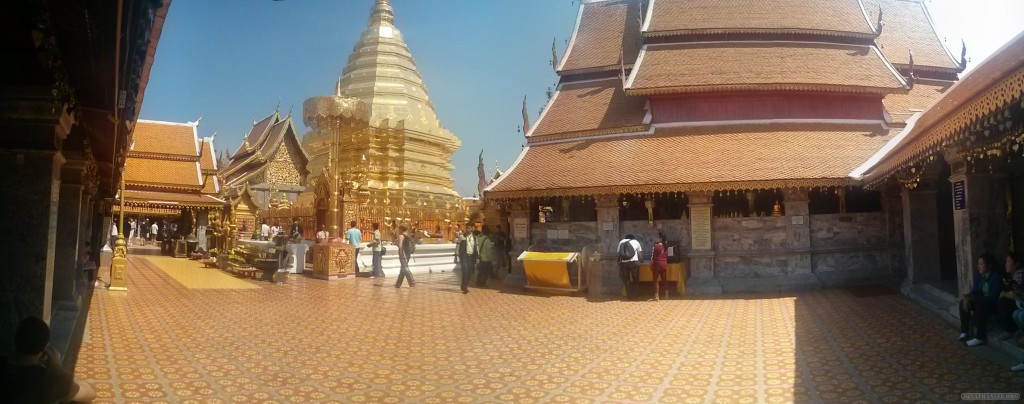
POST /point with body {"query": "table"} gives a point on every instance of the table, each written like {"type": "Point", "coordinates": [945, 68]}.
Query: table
{"type": "Point", "coordinates": [552, 271]}
{"type": "Point", "coordinates": [677, 272]}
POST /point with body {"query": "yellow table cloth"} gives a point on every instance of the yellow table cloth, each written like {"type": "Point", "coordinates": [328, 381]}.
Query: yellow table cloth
{"type": "Point", "coordinates": [548, 269]}
{"type": "Point", "coordinates": [676, 273]}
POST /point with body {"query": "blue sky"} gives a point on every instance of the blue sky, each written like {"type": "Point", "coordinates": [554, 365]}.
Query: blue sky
{"type": "Point", "coordinates": [232, 60]}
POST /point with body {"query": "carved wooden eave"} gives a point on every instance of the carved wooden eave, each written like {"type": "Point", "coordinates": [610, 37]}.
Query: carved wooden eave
{"type": "Point", "coordinates": [671, 188]}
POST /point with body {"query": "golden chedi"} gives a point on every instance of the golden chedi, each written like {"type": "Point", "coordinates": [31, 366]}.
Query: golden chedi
{"type": "Point", "coordinates": [378, 140]}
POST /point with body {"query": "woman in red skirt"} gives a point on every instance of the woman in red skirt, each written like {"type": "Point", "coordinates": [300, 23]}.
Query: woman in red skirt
{"type": "Point", "coordinates": [659, 264]}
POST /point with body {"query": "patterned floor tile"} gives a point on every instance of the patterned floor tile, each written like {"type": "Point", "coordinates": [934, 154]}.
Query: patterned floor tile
{"type": "Point", "coordinates": [183, 335]}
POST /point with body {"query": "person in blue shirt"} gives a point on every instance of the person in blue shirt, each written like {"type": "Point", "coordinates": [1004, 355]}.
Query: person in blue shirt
{"type": "Point", "coordinates": [355, 238]}
{"type": "Point", "coordinates": [981, 301]}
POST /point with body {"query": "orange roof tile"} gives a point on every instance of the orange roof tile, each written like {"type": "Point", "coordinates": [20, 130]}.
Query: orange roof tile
{"type": "Point", "coordinates": [169, 173]}
{"type": "Point", "coordinates": [743, 66]}
{"type": "Point", "coordinates": [906, 26]}
{"type": "Point", "coordinates": [837, 17]}
{"type": "Point", "coordinates": [694, 158]}
{"type": "Point", "coordinates": [208, 160]}
{"type": "Point", "coordinates": [920, 97]}
{"type": "Point", "coordinates": [604, 31]}
{"type": "Point", "coordinates": [164, 138]}
{"type": "Point", "coordinates": [591, 106]}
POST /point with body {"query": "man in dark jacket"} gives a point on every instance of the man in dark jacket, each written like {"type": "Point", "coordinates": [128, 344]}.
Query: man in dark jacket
{"type": "Point", "coordinates": [981, 302]}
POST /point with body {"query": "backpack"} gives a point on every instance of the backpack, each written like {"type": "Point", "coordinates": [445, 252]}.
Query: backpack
{"type": "Point", "coordinates": [410, 246]}
{"type": "Point", "coordinates": [462, 247]}
{"type": "Point", "coordinates": [626, 251]}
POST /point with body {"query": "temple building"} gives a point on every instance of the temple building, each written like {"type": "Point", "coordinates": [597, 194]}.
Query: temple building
{"type": "Point", "coordinates": [378, 143]}
{"type": "Point", "coordinates": [74, 78]}
{"type": "Point", "coordinates": [266, 174]}
{"type": "Point", "coordinates": [959, 173]}
{"type": "Point", "coordinates": [735, 128]}
{"type": "Point", "coordinates": [170, 176]}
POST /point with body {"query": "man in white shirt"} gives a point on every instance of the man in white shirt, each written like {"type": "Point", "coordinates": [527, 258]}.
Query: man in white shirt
{"type": "Point", "coordinates": [153, 230]}
{"type": "Point", "coordinates": [265, 231]}
{"type": "Point", "coordinates": [629, 265]}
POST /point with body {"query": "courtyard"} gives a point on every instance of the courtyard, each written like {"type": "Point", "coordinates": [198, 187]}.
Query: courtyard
{"type": "Point", "coordinates": [184, 334]}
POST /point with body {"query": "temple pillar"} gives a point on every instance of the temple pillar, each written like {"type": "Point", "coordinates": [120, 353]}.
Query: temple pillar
{"type": "Point", "coordinates": [604, 278]}
{"type": "Point", "coordinates": [69, 211]}
{"type": "Point", "coordinates": [702, 253]}
{"type": "Point", "coordinates": [519, 231]}
{"type": "Point", "coordinates": [202, 223]}
{"type": "Point", "coordinates": [892, 207]}
{"type": "Point", "coordinates": [32, 180]}
{"type": "Point", "coordinates": [796, 201]}
{"type": "Point", "coordinates": [921, 235]}
{"type": "Point", "coordinates": [980, 222]}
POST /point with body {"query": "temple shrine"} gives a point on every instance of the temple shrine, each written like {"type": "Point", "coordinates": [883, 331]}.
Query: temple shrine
{"type": "Point", "coordinates": [737, 129]}
{"type": "Point", "coordinates": [378, 152]}
{"type": "Point", "coordinates": [266, 175]}
{"type": "Point", "coordinates": [170, 177]}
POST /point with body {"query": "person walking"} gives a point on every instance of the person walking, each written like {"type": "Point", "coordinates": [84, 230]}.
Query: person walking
{"type": "Point", "coordinates": [659, 265]}
{"type": "Point", "coordinates": [405, 248]}
{"type": "Point", "coordinates": [378, 252]}
{"type": "Point", "coordinates": [488, 254]}
{"type": "Point", "coordinates": [355, 238]}
{"type": "Point", "coordinates": [629, 264]}
{"type": "Point", "coordinates": [467, 251]}
{"type": "Point", "coordinates": [154, 229]}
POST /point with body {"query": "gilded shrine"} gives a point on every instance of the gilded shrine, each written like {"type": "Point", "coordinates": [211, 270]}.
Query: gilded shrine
{"type": "Point", "coordinates": [378, 152]}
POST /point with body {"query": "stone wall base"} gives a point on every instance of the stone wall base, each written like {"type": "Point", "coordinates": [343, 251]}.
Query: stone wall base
{"type": "Point", "coordinates": [769, 284]}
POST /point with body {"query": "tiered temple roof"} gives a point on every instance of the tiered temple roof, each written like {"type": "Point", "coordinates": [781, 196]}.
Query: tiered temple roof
{"type": "Point", "coordinates": [716, 99]}
{"type": "Point", "coordinates": [690, 17]}
{"type": "Point", "coordinates": [696, 158]}
{"type": "Point", "coordinates": [906, 28]}
{"type": "Point", "coordinates": [605, 31]}
{"type": "Point", "coordinates": [591, 107]}
{"type": "Point", "coordinates": [260, 146]}
{"type": "Point", "coordinates": [169, 167]}
{"type": "Point", "coordinates": [758, 66]}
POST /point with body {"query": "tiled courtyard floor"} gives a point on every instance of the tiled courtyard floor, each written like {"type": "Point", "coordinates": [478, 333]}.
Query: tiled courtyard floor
{"type": "Point", "coordinates": [353, 341]}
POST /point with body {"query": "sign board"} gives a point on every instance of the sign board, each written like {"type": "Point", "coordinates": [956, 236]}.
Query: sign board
{"type": "Point", "coordinates": [798, 220]}
{"type": "Point", "coordinates": [552, 234]}
{"type": "Point", "coordinates": [959, 195]}
{"type": "Point", "coordinates": [700, 227]}
{"type": "Point", "coordinates": [607, 226]}
{"type": "Point", "coordinates": [519, 226]}
{"type": "Point", "coordinates": [563, 234]}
